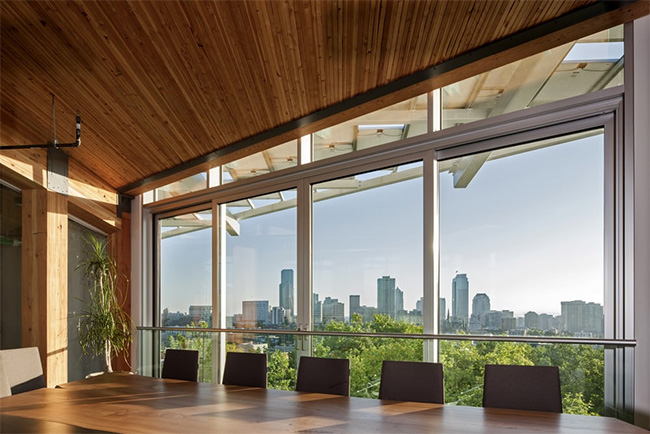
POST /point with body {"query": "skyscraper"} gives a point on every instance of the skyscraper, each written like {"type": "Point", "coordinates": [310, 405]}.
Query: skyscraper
{"type": "Point", "coordinates": [255, 313]}
{"type": "Point", "coordinates": [386, 295]}
{"type": "Point", "coordinates": [355, 305]}
{"type": "Point", "coordinates": [286, 290]}
{"type": "Point", "coordinates": [480, 304]}
{"type": "Point", "coordinates": [442, 310]}
{"type": "Point", "coordinates": [333, 310]}
{"type": "Point", "coordinates": [480, 308]}
{"type": "Point", "coordinates": [399, 301]}
{"type": "Point", "coordinates": [318, 310]}
{"type": "Point", "coordinates": [459, 298]}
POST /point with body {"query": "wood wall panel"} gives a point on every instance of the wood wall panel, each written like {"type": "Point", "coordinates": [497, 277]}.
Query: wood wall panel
{"type": "Point", "coordinates": [45, 281]}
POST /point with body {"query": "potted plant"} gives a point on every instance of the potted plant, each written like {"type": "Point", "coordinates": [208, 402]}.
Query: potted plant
{"type": "Point", "coordinates": [104, 327]}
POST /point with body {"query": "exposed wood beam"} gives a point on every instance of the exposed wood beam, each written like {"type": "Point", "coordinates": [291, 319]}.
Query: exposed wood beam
{"type": "Point", "coordinates": [89, 198]}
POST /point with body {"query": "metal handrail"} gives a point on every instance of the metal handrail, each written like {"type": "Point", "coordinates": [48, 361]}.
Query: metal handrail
{"type": "Point", "coordinates": [444, 337]}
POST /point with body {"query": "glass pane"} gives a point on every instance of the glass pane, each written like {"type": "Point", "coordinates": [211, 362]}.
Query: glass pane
{"type": "Point", "coordinates": [367, 247]}
{"type": "Point", "coordinates": [11, 225]}
{"type": "Point", "coordinates": [399, 121]}
{"type": "Point", "coordinates": [281, 353]}
{"type": "Point", "coordinates": [271, 160]}
{"type": "Point", "coordinates": [577, 68]}
{"type": "Point", "coordinates": [260, 261]}
{"type": "Point", "coordinates": [193, 183]}
{"type": "Point", "coordinates": [200, 341]}
{"type": "Point", "coordinates": [581, 370]}
{"type": "Point", "coordinates": [186, 270]}
{"type": "Point", "coordinates": [522, 239]}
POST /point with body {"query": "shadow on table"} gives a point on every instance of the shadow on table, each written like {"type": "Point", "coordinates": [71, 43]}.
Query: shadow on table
{"type": "Point", "coordinates": [19, 424]}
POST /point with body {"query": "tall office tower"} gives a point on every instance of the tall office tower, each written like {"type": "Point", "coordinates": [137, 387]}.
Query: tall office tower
{"type": "Point", "coordinates": [419, 305]}
{"type": "Point", "coordinates": [545, 321]}
{"type": "Point", "coordinates": [201, 313]}
{"type": "Point", "coordinates": [318, 310]}
{"type": "Point", "coordinates": [386, 295]}
{"type": "Point", "coordinates": [579, 316]}
{"type": "Point", "coordinates": [286, 290]}
{"type": "Point", "coordinates": [442, 310]}
{"type": "Point", "coordinates": [399, 301]}
{"type": "Point", "coordinates": [531, 320]}
{"type": "Point", "coordinates": [277, 315]}
{"type": "Point", "coordinates": [355, 305]}
{"type": "Point", "coordinates": [255, 312]}
{"type": "Point", "coordinates": [480, 308]}
{"type": "Point", "coordinates": [460, 298]}
{"type": "Point", "coordinates": [480, 304]}
{"type": "Point", "coordinates": [333, 310]}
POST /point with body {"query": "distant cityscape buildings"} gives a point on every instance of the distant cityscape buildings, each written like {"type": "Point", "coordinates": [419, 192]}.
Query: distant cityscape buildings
{"type": "Point", "coordinates": [460, 299]}
{"type": "Point", "coordinates": [286, 291]}
{"type": "Point", "coordinates": [577, 318]}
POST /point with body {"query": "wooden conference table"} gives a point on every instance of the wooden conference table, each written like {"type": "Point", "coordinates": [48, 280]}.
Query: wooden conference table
{"type": "Point", "coordinates": [135, 404]}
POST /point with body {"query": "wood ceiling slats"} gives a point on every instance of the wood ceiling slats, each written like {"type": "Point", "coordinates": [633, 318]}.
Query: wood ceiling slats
{"type": "Point", "coordinates": [160, 83]}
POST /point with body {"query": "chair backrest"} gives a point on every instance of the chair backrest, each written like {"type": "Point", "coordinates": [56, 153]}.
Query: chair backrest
{"type": "Point", "coordinates": [412, 381]}
{"type": "Point", "coordinates": [534, 388]}
{"type": "Point", "coordinates": [20, 371]}
{"type": "Point", "coordinates": [245, 369]}
{"type": "Point", "coordinates": [181, 365]}
{"type": "Point", "coordinates": [320, 375]}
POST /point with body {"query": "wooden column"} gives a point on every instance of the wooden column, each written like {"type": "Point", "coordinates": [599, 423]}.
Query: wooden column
{"type": "Point", "coordinates": [45, 280]}
{"type": "Point", "coordinates": [119, 247]}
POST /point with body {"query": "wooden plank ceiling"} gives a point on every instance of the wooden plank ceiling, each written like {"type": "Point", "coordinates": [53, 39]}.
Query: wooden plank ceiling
{"type": "Point", "coordinates": [159, 83]}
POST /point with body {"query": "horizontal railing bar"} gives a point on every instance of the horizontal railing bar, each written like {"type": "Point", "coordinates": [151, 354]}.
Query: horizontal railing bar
{"type": "Point", "coordinates": [522, 339]}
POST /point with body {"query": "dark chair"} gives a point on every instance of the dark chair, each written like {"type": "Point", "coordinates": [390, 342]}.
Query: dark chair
{"type": "Point", "coordinates": [412, 381]}
{"type": "Point", "coordinates": [245, 369]}
{"type": "Point", "coordinates": [181, 365]}
{"type": "Point", "coordinates": [20, 371]}
{"type": "Point", "coordinates": [534, 388]}
{"type": "Point", "coordinates": [319, 375]}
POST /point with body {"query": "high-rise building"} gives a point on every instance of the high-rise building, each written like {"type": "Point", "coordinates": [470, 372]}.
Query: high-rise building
{"type": "Point", "coordinates": [200, 313]}
{"type": "Point", "coordinates": [531, 320]}
{"type": "Point", "coordinates": [318, 310]}
{"type": "Point", "coordinates": [480, 309]}
{"type": "Point", "coordinates": [480, 304]}
{"type": "Point", "coordinates": [419, 304]}
{"type": "Point", "coordinates": [277, 315]}
{"type": "Point", "coordinates": [255, 313]}
{"type": "Point", "coordinates": [442, 310]}
{"type": "Point", "coordinates": [581, 317]}
{"type": "Point", "coordinates": [460, 298]}
{"type": "Point", "coordinates": [355, 305]}
{"type": "Point", "coordinates": [333, 310]}
{"type": "Point", "coordinates": [386, 295]}
{"type": "Point", "coordinates": [286, 290]}
{"type": "Point", "coordinates": [399, 302]}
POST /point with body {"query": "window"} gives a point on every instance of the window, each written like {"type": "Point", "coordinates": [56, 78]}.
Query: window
{"type": "Point", "coordinates": [587, 65]}
{"type": "Point", "coordinates": [260, 261]}
{"type": "Point", "coordinates": [367, 246]}
{"type": "Point", "coordinates": [522, 239]}
{"type": "Point", "coordinates": [271, 160]}
{"type": "Point", "coordinates": [397, 122]}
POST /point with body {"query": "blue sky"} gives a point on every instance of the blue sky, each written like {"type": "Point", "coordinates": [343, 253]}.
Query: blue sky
{"type": "Point", "coordinates": [527, 231]}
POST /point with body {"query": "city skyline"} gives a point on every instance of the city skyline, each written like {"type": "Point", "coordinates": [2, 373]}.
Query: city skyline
{"type": "Point", "coordinates": [577, 316]}
{"type": "Point", "coordinates": [510, 251]}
